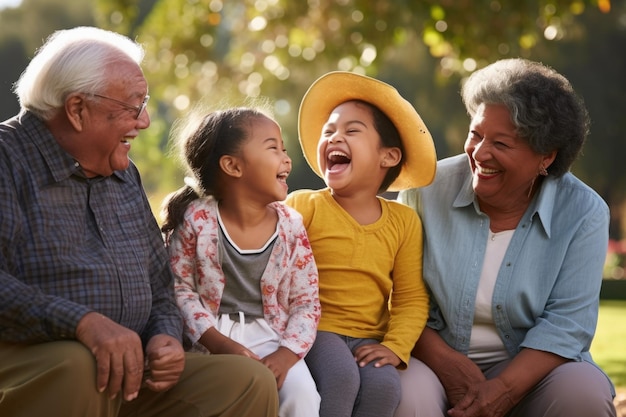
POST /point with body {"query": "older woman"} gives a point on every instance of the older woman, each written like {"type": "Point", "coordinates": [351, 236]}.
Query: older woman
{"type": "Point", "coordinates": [514, 246]}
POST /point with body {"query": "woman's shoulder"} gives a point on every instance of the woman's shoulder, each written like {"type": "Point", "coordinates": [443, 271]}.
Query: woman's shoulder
{"type": "Point", "coordinates": [452, 169]}
{"type": "Point", "coordinates": [453, 176]}
{"type": "Point", "coordinates": [571, 190]}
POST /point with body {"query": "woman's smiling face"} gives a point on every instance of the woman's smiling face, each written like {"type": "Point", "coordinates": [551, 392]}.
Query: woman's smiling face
{"type": "Point", "coordinates": [504, 166]}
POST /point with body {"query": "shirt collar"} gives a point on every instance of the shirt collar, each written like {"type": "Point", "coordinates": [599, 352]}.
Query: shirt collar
{"type": "Point", "coordinates": [60, 163]}
{"type": "Point", "coordinates": [543, 204]}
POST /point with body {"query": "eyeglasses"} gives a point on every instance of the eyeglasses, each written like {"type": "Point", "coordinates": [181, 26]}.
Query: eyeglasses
{"type": "Point", "coordinates": [138, 109]}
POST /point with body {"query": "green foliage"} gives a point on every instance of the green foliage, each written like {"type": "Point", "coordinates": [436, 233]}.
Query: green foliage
{"type": "Point", "coordinates": [22, 31]}
{"type": "Point", "coordinates": [216, 53]}
{"type": "Point", "coordinates": [34, 20]}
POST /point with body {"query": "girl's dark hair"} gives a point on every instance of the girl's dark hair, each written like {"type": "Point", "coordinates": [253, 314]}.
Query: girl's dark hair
{"type": "Point", "coordinates": [220, 133]}
{"type": "Point", "coordinates": [390, 138]}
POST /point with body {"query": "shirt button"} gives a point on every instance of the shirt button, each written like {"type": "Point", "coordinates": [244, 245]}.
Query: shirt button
{"type": "Point", "coordinates": [499, 307]}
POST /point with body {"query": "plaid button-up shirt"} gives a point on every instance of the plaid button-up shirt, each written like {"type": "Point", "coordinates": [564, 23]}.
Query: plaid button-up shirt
{"type": "Point", "coordinates": [70, 245]}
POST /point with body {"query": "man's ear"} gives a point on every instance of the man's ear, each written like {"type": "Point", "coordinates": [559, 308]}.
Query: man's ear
{"type": "Point", "coordinates": [390, 157]}
{"type": "Point", "coordinates": [74, 109]}
{"type": "Point", "coordinates": [231, 166]}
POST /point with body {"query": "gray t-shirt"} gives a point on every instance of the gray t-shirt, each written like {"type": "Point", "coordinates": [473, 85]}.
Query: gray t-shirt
{"type": "Point", "coordinates": [243, 270]}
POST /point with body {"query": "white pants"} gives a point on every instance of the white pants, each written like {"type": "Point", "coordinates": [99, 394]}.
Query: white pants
{"type": "Point", "coordinates": [298, 396]}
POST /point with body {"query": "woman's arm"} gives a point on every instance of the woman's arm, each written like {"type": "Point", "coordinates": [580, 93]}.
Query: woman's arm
{"type": "Point", "coordinates": [457, 373]}
{"type": "Point", "coordinates": [495, 397]}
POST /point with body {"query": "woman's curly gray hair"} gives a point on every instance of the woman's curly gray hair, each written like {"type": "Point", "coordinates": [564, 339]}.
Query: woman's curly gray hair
{"type": "Point", "coordinates": [544, 107]}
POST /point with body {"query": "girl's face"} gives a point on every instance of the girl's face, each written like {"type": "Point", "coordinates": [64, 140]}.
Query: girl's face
{"type": "Point", "coordinates": [504, 166]}
{"type": "Point", "coordinates": [264, 161]}
{"type": "Point", "coordinates": [350, 154]}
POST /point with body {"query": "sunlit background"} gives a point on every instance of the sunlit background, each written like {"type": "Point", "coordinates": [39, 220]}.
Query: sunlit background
{"type": "Point", "coordinates": [206, 54]}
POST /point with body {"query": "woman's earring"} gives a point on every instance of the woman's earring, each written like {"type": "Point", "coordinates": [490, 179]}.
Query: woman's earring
{"type": "Point", "coordinates": [543, 171]}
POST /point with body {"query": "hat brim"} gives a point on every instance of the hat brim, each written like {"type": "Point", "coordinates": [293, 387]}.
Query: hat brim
{"type": "Point", "coordinates": [337, 87]}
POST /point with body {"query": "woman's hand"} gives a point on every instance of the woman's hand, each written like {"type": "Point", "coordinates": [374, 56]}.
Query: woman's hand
{"type": "Point", "coordinates": [489, 398]}
{"type": "Point", "coordinates": [496, 396]}
{"type": "Point", "coordinates": [457, 373]}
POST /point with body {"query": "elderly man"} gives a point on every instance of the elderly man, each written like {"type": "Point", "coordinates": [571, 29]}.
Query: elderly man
{"type": "Point", "coordinates": [88, 323]}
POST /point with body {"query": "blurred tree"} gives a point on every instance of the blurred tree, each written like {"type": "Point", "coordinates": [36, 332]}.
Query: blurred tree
{"type": "Point", "coordinates": [595, 63]}
{"type": "Point", "coordinates": [22, 30]}
{"type": "Point", "coordinates": [215, 53]}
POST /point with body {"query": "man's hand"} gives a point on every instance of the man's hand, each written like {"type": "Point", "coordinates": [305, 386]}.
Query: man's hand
{"type": "Point", "coordinates": [166, 361]}
{"type": "Point", "coordinates": [118, 353]}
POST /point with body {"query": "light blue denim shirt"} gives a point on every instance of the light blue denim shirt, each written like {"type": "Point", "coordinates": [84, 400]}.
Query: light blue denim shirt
{"type": "Point", "coordinates": [547, 291]}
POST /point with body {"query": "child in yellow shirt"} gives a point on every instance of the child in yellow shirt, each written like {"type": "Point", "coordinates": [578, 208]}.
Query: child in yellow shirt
{"type": "Point", "coordinates": [363, 138]}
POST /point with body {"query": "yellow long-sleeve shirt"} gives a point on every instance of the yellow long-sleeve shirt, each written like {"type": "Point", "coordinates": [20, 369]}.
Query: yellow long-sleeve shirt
{"type": "Point", "coordinates": [370, 277]}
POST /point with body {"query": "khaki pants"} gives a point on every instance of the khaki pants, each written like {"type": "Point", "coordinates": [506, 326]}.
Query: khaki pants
{"type": "Point", "coordinates": [58, 379]}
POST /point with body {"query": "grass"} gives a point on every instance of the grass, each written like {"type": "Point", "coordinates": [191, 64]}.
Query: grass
{"type": "Point", "coordinates": [609, 345]}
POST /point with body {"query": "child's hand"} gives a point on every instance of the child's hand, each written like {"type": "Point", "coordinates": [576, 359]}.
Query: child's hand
{"type": "Point", "coordinates": [279, 363]}
{"type": "Point", "coordinates": [235, 348]}
{"type": "Point", "coordinates": [217, 343]}
{"type": "Point", "coordinates": [375, 352]}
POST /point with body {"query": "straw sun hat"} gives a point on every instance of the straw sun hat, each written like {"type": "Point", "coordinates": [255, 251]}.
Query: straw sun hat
{"type": "Point", "coordinates": [334, 88]}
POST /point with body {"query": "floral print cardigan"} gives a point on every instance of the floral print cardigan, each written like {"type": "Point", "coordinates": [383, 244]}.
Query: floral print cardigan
{"type": "Point", "coordinates": [289, 284]}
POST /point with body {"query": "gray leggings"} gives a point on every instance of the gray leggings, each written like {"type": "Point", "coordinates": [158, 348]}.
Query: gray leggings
{"type": "Point", "coordinates": [346, 389]}
{"type": "Point", "coordinates": [574, 389]}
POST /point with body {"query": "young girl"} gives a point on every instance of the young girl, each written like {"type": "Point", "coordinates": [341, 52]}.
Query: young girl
{"type": "Point", "coordinates": [246, 280]}
{"type": "Point", "coordinates": [363, 138]}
